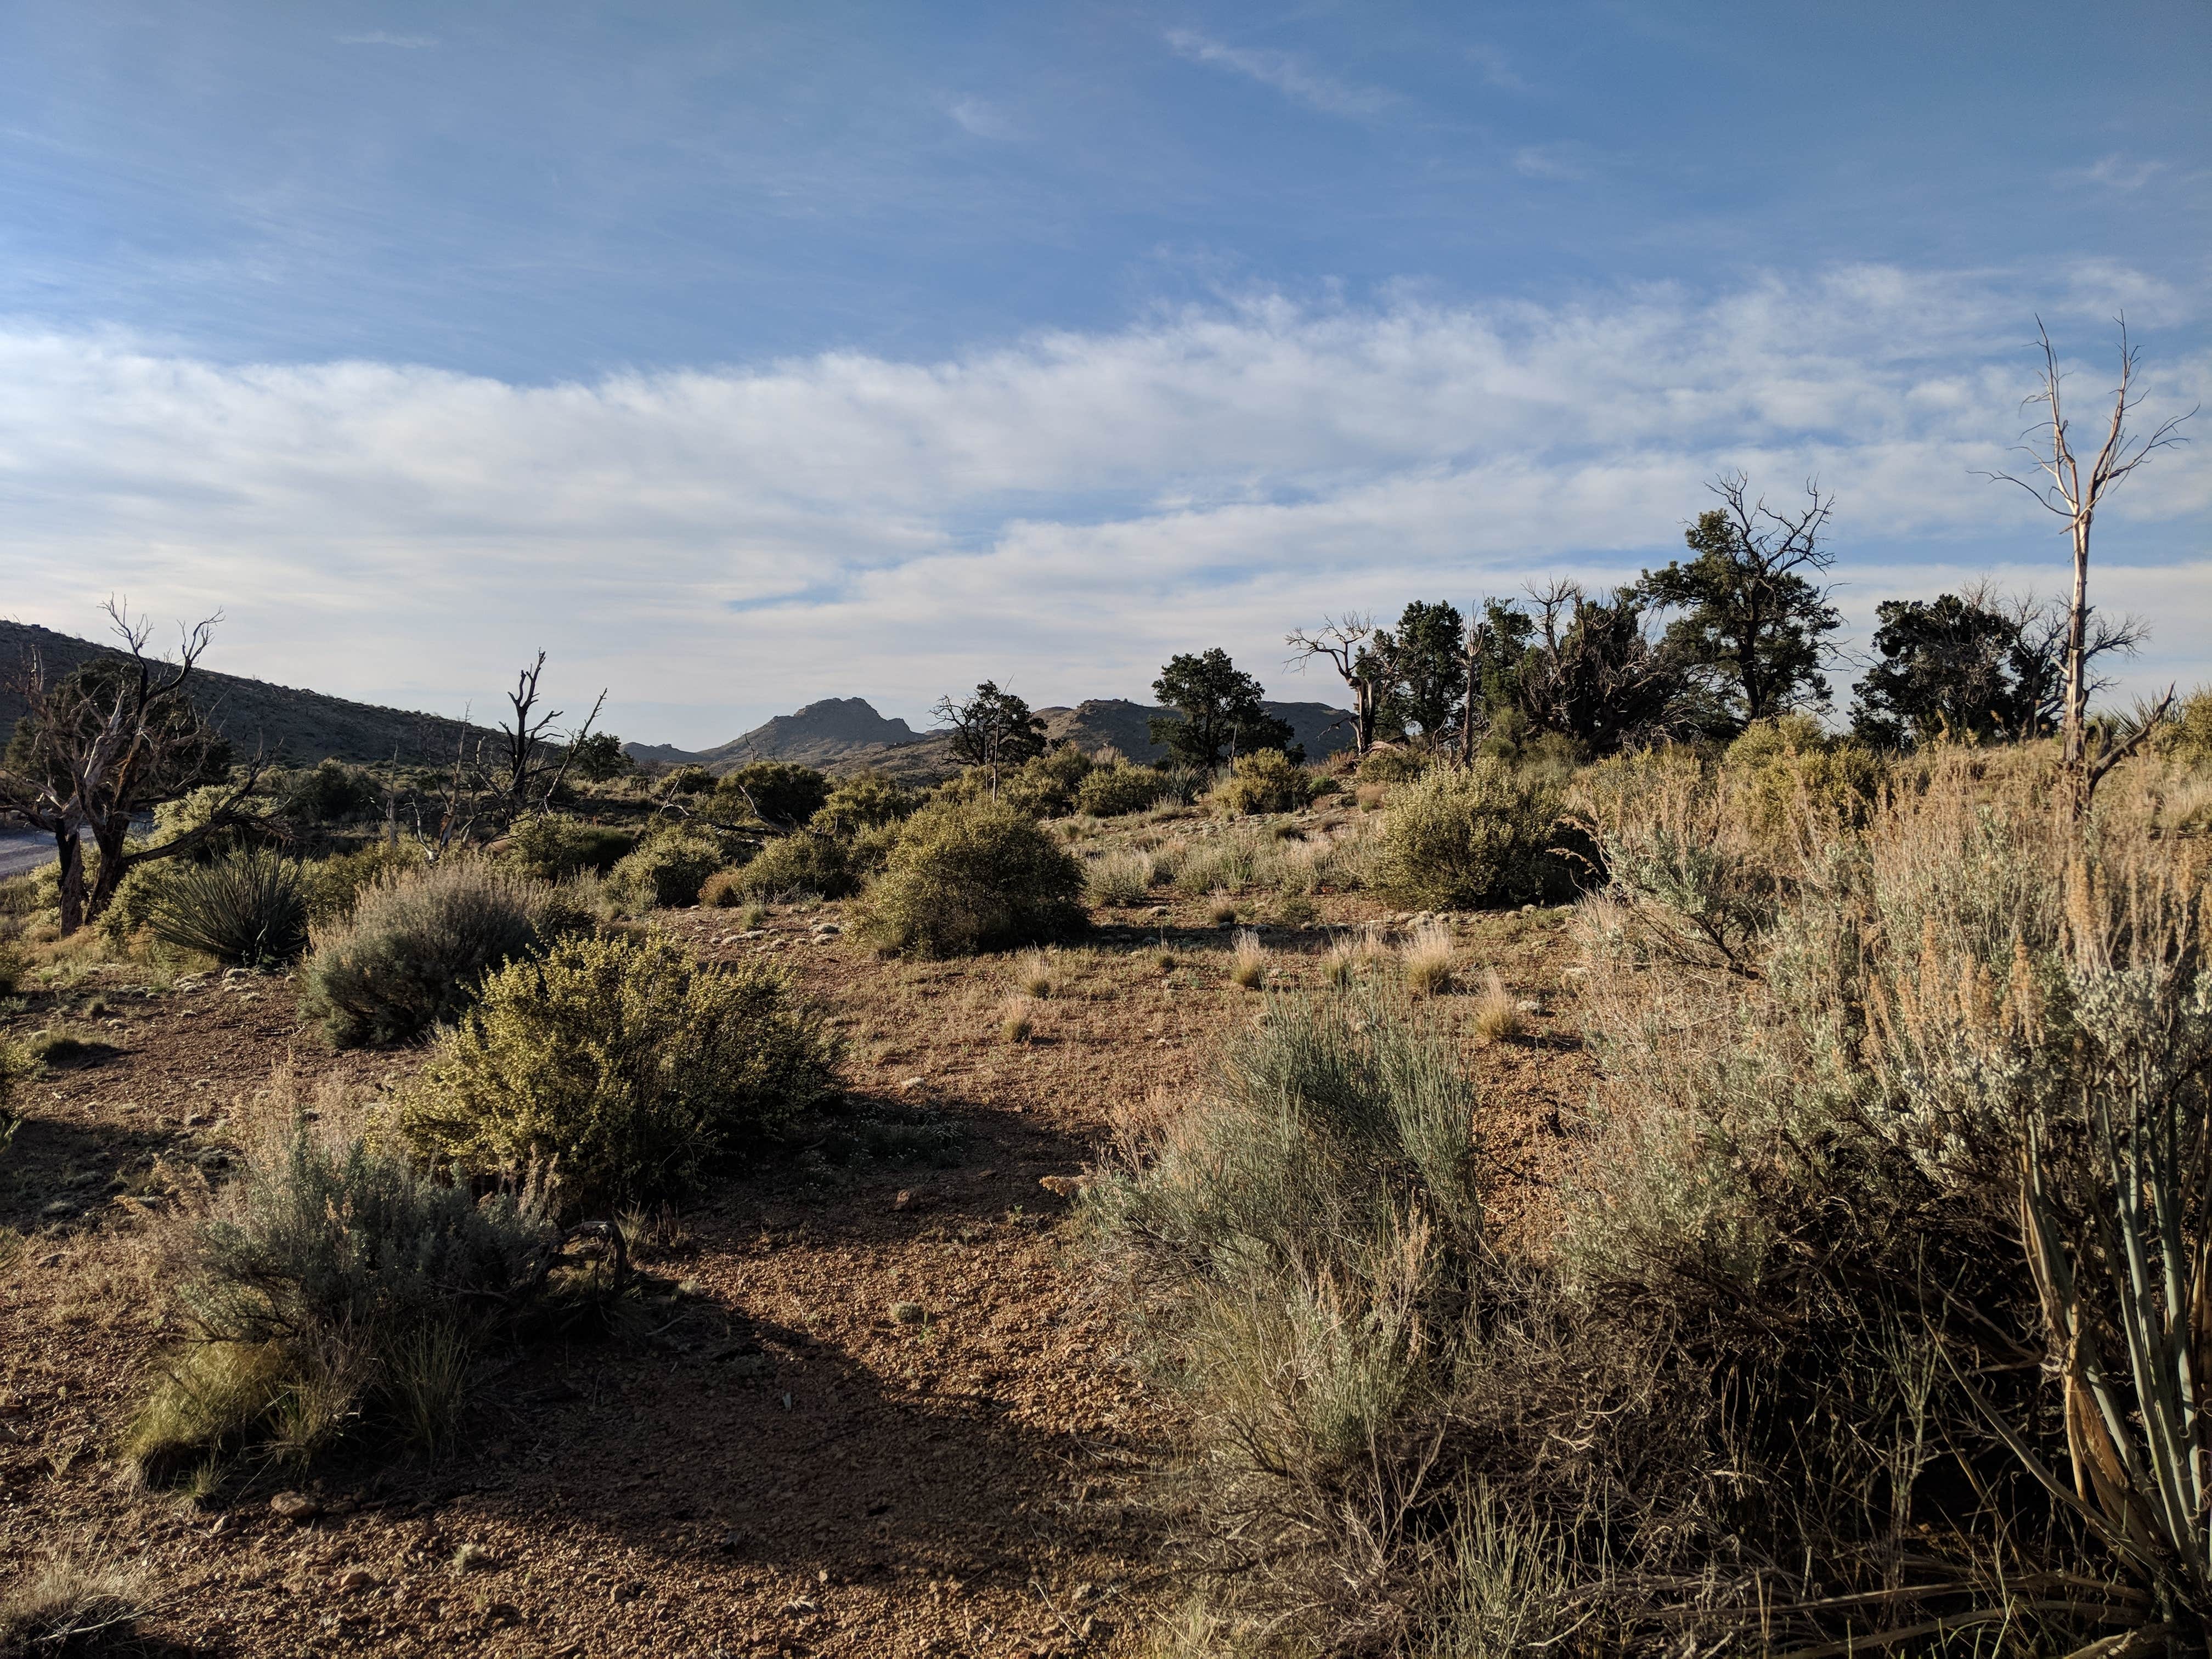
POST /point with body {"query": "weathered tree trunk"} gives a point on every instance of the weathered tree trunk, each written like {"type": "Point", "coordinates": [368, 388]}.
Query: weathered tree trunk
{"type": "Point", "coordinates": [70, 851]}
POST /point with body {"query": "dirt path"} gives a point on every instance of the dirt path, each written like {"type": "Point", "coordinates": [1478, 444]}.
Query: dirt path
{"type": "Point", "coordinates": [774, 1463]}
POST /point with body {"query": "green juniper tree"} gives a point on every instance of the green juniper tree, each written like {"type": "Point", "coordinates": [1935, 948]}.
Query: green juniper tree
{"type": "Point", "coordinates": [1217, 708]}
{"type": "Point", "coordinates": [1752, 617]}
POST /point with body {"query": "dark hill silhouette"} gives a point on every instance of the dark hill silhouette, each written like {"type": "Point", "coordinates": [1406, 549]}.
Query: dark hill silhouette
{"type": "Point", "coordinates": [301, 727]}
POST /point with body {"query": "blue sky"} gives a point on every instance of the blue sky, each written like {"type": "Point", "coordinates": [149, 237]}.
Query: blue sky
{"type": "Point", "coordinates": [745, 355]}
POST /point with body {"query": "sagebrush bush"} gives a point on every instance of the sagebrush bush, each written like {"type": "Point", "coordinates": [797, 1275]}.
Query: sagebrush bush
{"type": "Point", "coordinates": [1265, 780]}
{"type": "Point", "coordinates": [413, 948]}
{"type": "Point", "coordinates": [1112, 792]}
{"type": "Point", "coordinates": [2186, 739]}
{"type": "Point", "coordinates": [1122, 877]}
{"type": "Point", "coordinates": [551, 846]}
{"type": "Point", "coordinates": [309, 1297]}
{"type": "Point", "coordinates": [1459, 837]}
{"type": "Point", "coordinates": [724, 891]}
{"type": "Point", "coordinates": [667, 869]}
{"type": "Point", "coordinates": [335, 884]}
{"type": "Point", "coordinates": [1793, 776]}
{"type": "Point", "coordinates": [867, 800]}
{"type": "Point", "coordinates": [624, 1063]}
{"type": "Point", "coordinates": [973, 875]}
{"type": "Point", "coordinates": [783, 792]}
{"type": "Point", "coordinates": [245, 909]}
{"type": "Point", "coordinates": [1046, 786]}
{"type": "Point", "coordinates": [798, 866]}
{"type": "Point", "coordinates": [1388, 763]}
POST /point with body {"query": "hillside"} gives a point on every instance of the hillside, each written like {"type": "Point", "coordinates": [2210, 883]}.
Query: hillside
{"type": "Point", "coordinates": [300, 726]}
{"type": "Point", "coordinates": [843, 735]}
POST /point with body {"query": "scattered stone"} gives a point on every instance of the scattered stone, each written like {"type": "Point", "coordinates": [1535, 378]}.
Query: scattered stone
{"type": "Point", "coordinates": [911, 1083]}
{"type": "Point", "coordinates": [60, 1209]}
{"type": "Point", "coordinates": [1065, 1185]}
{"type": "Point", "coordinates": [296, 1507]}
{"type": "Point", "coordinates": [827, 930]}
{"type": "Point", "coordinates": [355, 1581]}
{"type": "Point", "coordinates": [52, 1259]}
{"type": "Point", "coordinates": [904, 1201]}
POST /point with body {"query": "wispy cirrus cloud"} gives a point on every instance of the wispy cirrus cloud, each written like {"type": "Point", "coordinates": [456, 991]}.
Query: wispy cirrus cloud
{"type": "Point", "coordinates": [979, 119]}
{"type": "Point", "coordinates": [1061, 510]}
{"type": "Point", "coordinates": [380, 38]}
{"type": "Point", "coordinates": [1554, 161]}
{"type": "Point", "coordinates": [2120, 173]}
{"type": "Point", "coordinates": [1286, 73]}
{"type": "Point", "coordinates": [1496, 68]}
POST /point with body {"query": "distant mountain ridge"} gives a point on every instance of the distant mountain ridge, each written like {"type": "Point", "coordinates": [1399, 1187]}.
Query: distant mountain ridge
{"type": "Point", "coordinates": [300, 726]}
{"type": "Point", "coordinates": [843, 735]}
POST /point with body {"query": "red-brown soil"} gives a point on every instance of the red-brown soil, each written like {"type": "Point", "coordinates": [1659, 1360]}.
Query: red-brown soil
{"type": "Point", "coordinates": [769, 1463]}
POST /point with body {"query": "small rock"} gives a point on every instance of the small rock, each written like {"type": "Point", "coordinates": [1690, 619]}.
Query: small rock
{"type": "Point", "coordinates": [296, 1507]}
{"type": "Point", "coordinates": [907, 1313]}
{"type": "Point", "coordinates": [904, 1201]}
{"type": "Point", "coordinates": [193, 1120]}
{"type": "Point", "coordinates": [911, 1083]}
{"type": "Point", "coordinates": [52, 1259]}
{"type": "Point", "coordinates": [1065, 1185]}
{"type": "Point", "coordinates": [356, 1580]}
{"type": "Point", "coordinates": [60, 1209]}
{"type": "Point", "coordinates": [827, 930]}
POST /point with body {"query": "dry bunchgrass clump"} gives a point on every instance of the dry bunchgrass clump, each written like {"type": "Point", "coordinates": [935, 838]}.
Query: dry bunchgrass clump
{"type": "Point", "coordinates": [1016, 1019]}
{"type": "Point", "coordinates": [1248, 960]}
{"type": "Point", "coordinates": [1350, 955]}
{"type": "Point", "coordinates": [1427, 956]}
{"type": "Point", "coordinates": [1223, 913]}
{"type": "Point", "coordinates": [64, 1606]}
{"type": "Point", "coordinates": [1496, 1015]}
{"type": "Point", "coordinates": [1120, 878]}
{"type": "Point", "coordinates": [1033, 973]}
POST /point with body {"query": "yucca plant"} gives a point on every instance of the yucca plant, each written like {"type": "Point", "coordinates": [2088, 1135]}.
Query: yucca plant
{"type": "Point", "coordinates": [248, 910]}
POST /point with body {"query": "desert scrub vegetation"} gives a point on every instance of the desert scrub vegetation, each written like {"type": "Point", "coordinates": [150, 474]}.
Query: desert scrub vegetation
{"type": "Point", "coordinates": [798, 866]}
{"type": "Point", "coordinates": [413, 950]}
{"type": "Point", "coordinates": [334, 1290]}
{"type": "Point", "coordinates": [554, 846]}
{"type": "Point", "coordinates": [624, 1065]}
{"type": "Point", "coordinates": [1869, 1315]}
{"type": "Point", "coordinates": [867, 800]}
{"type": "Point", "coordinates": [667, 868]}
{"type": "Point", "coordinates": [1265, 780]}
{"type": "Point", "coordinates": [1120, 878]}
{"type": "Point", "coordinates": [1117, 789]}
{"type": "Point", "coordinates": [1466, 836]}
{"type": "Point", "coordinates": [246, 910]}
{"type": "Point", "coordinates": [65, 1605]}
{"type": "Point", "coordinates": [966, 876]}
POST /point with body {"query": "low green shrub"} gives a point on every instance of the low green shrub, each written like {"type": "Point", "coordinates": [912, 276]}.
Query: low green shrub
{"type": "Point", "coordinates": [245, 909]}
{"type": "Point", "coordinates": [337, 1290]}
{"type": "Point", "coordinates": [969, 876]}
{"type": "Point", "coordinates": [1789, 773]}
{"type": "Point", "coordinates": [667, 869]}
{"type": "Point", "coordinates": [335, 884]}
{"type": "Point", "coordinates": [867, 800]}
{"type": "Point", "coordinates": [723, 890]}
{"type": "Point", "coordinates": [624, 1064]}
{"type": "Point", "coordinates": [1392, 763]}
{"type": "Point", "coordinates": [1265, 780]}
{"type": "Point", "coordinates": [1457, 837]}
{"type": "Point", "coordinates": [551, 846]}
{"type": "Point", "coordinates": [415, 948]}
{"type": "Point", "coordinates": [1112, 792]}
{"type": "Point", "coordinates": [130, 907]}
{"type": "Point", "coordinates": [1045, 785]}
{"type": "Point", "coordinates": [782, 791]}
{"type": "Point", "coordinates": [792, 867]}
{"type": "Point", "coordinates": [2186, 739]}
{"type": "Point", "coordinates": [330, 791]}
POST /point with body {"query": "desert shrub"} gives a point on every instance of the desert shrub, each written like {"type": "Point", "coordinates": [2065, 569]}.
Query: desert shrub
{"type": "Point", "coordinates": [1046, 786]}
{"type": "Point", "coordinates": [969, 876]}
{"type": "Point", "coordinates": [723, 890]}
{"type": "Point", "coordinates": [413, 948]}
{"type": "Point", "coordinates": [1458, 837]}
{"type": "Point", "coordinates": [1792, 774]}
{"type": "Point", "coordinates": [667, 869]}
{"type": "Point", "coordinates": [782, 791]}
{"type": "Point", "coordinates": [1265, 780]}
{"type": "Point", "coordinates": [625, 1063]}
{"type": "Point", "coordinates": [2186, 739]}
{"type": "Point", "coordinates": [14, 960]}
{"type": "Point", "coordinates": [1111, 792]}
{"type": "Point", "coordinates": [1389, 764]}
{"type": "Point", "coordinates": [245, 909]}
{"type": "Point", "coordinates": [17, 1067]}
{"type": "Point", "coordinates": [334, 884]}
{"type": "Point", "coordinates": [1122, 877]}
{"type": "Point", "coordinates": [192, 810]}
{"type": "Point", "coordinates": [63, 1606]}
{"type": "Point", "coordinates": [552, 846]}
{"type": "Point", "coordinates": [329, 792]}
{"type": "Point", "coordinates": [130, 907]}
{"type": "Point", "coordinates": [867, 800]}
{"type": "Point", "coordinates": [310, 1299]}
{"type": "Point", "coordinates": [792, 866]}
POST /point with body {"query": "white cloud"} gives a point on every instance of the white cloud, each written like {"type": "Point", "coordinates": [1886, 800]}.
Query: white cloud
{"type": "Point", "coordinates": [2118, 172]}
{"type": "Point", "coordinates": [1496, 67]}
{"type": "Point", "coordinates": [981, 120]}
{"type": "Point", "coordinates": [378, 37]}
{"type": "Point", "coordinates": [1058, 511]}
{"type": "Point", "coordinates": [1286, 74]}
{"type": "Point", "coordinates": [1547, 162]}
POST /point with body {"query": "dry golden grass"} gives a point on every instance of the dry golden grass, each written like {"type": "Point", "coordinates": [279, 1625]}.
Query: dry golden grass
{"type": "Point", "coordinates": [1426, 959]}
{"type": "Point", "coordinates": [1496, 1017]}
{"type": "Point", "coordinates": [66, 1605]}
{"type": "Point", "coordinates": [1017, 1019]}
{"type": "Point", "coordinates": [1248, 960]}
{"type": "Point", "coordinates": [1033, 973]}
{"type": "Point", "coordinates": [1350, 956]}
{"type": "Point", "coordinates": [1223, 913]}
